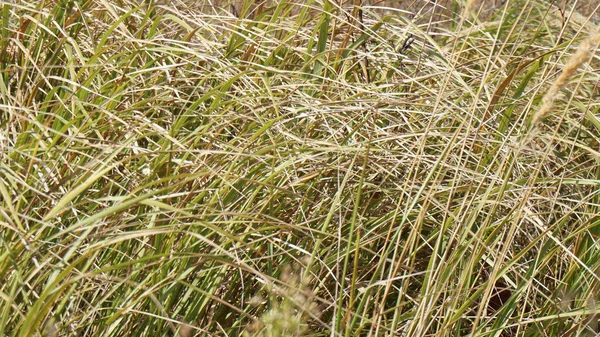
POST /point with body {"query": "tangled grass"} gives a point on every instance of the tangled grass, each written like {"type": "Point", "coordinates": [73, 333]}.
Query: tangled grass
{"type": "Point", "coordinates": [300, 169]}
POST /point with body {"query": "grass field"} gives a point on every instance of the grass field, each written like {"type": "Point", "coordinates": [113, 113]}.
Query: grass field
{"type": "Point", "coordinates": [299, 168]}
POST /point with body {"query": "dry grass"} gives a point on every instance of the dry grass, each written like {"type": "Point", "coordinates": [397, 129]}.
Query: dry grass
{"type": "Point", "coordinates": [582, 55]}
{"type": "Point", "coordinates": [305, 169]}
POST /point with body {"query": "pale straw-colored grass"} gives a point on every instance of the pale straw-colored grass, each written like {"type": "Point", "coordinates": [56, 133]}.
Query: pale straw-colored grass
{"type": "Point", "coordinates": [582, 55]}
{"type": "Point", "coordinates": [316, 168]}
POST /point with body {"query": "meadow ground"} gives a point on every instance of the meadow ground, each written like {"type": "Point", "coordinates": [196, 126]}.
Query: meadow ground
{"type": "Point", "coordinates": [307, 168]}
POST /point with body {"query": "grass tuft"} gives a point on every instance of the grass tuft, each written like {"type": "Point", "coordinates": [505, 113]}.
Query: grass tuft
{"type": "Point", "coordinates": [299, 168]}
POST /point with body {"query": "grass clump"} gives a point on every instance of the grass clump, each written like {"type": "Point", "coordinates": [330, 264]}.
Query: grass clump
{"type": "Point", "coordinates": [166, 165]}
